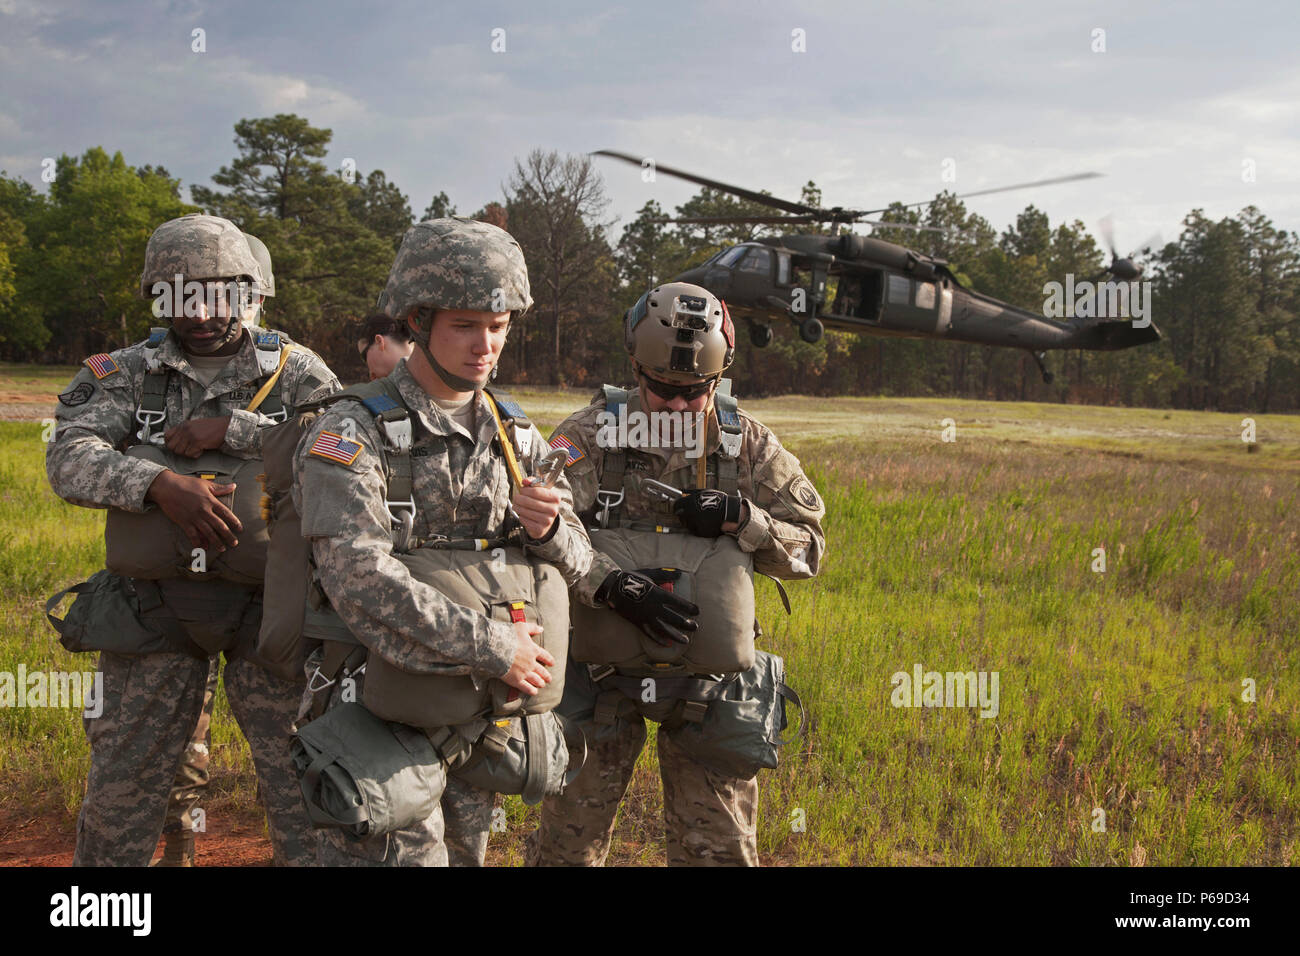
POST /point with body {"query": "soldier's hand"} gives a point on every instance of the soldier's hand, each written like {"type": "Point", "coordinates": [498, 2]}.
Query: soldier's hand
{"type": "Point", "coordinates": [666, 618]}
{"type": "Point", "coordinates": [708, 513]}
{"type": "Point", "coordinates": [195, 505]}
{"type": "Point", "coordinates": [537, 507]}
{"type": "Point", "coordinates": [528, 673]}
{"type": "Point", "coordinates": [196, 436]}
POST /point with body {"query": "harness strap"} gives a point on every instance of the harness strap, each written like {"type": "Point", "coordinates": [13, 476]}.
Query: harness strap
{"type": "Point", "coordinates": [700, 689]}
{"type": "Point", "coordinates": [276, 405]}
{"type": "Point", "coordinates": [538, 762]}
{"type": "Point", "coordinates": [339, 656]}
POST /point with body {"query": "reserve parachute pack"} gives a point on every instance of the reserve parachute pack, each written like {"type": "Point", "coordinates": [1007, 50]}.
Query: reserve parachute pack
{"type": "Point", "coordinates": [150, 545]}
{"type": "Point", "coordinates": [492, 577]}
{"type": "Point", "coordinates": [715, 574]}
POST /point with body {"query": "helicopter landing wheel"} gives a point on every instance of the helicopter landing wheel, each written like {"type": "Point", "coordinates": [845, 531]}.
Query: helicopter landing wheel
{"type": "Point", "coordinates": [810, 330]}
{"type": "Point", "coordinates": [760, 335]}
{"type": "Point", "coordinates": [1047, 376]}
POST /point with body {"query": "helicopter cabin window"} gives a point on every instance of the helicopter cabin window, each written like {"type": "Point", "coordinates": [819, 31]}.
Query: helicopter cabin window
{"type": "Point", "coordinates": [900, 289]}
{"type": "Point", "coordinates": [759, 260]}
{"type": "Point", "coordinates": [925, 295]}
{"type": "Point", "coordinates": [782, 269]}
{"type": "Point", "coordinates": [728, 258]}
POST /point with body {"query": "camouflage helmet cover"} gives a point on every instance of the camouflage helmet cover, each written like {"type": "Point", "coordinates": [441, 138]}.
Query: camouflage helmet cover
{"type": "Point", "coordinates": [263, 256]}
{"type": "Point", "coordinates": [197, 247]}
{"type": "Point", "coordinates": [680, 332]}
{"type": "Point", "coordinates": [457, 263]}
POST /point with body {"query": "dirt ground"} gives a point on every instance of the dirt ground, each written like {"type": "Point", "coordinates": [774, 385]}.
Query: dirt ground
{"type": "Point", "coordinates": [48, 838]}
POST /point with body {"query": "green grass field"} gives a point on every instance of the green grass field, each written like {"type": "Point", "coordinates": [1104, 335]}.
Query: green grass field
{"type": "Point", "coordinates": [1120, 691]}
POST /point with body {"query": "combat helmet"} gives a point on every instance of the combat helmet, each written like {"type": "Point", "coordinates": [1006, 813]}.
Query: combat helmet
{"type": "Point", "coordinates": [454, 263]}
{"type": "Point", "coordinates": [263, 256]}
{"type": "Point", "coordinates": [680, 333]}
{"type": "Point", "coordinates": [197, 247]}
{"type": "Point", "coordinates": [200, 248]}
{"type": "Point", "coordinates": [267, 288]}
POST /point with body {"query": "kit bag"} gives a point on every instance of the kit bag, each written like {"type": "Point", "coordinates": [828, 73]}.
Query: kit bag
{"type": "Point", "coordinates": [716, 576]}
{"type": "Point", "coordinates": [741, 730]}
{"type": "Point", "coordinates": [537, 756]}
{"type": "Point", "coordinates": [364, 776]}
{"type": "Point", "coordinates": [104, 617]}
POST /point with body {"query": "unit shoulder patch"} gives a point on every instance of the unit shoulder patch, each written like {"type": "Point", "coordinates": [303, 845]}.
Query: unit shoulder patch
{"type": "Point", "coordinates": [334, 447]}
{"type": "Point", "coordinates": [101, 365]}
{"type": "Point", "coordinates": [77, 396]}
{"type": "Point", "coordinates": [803, 492]}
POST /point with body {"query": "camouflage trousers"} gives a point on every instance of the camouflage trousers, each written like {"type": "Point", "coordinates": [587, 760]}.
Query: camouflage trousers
{"type": "Point", "coordinates": [710, 818]}
{"type": "Point", "coordinates": [467, 817]}
{"type": "Point", "coordinates": [151, 705]}
{"type": "Point", "coordinates": [191, 781]}
{"type": "Point", "coordinates": [455, 835]}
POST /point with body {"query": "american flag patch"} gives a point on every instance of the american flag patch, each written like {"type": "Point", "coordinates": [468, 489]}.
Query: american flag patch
{"type": "Point", "coordinates": [335, 448]}
{"type": "Point", "coordinates": [101, 364]}
{"type": "Point", "coordinates": [575, 453]}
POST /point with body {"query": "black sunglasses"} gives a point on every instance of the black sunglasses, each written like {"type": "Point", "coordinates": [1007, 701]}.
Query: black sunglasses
{"type": "Point", "coordinates": [668, 392]}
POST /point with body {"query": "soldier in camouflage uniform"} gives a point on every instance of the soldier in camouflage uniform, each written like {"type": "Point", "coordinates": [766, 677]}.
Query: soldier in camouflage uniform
{"type": "Point", "coordinates": [456, 283]}
{"type": "Point", "coordinates": [191, 782]}
{"type": "Point", "coordinates": [775, 515]}
{"type": "Point", "coordinates": [154, 701]}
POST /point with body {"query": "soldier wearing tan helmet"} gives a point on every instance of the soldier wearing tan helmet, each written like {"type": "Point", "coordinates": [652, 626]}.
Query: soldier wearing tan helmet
{"type": "Point", "coordinates": [674, 652]}
{"type": "Point", "coordinates": [192, 777]}
{"type": "Point", "coordinates": [457, 284]}
{"type": "Point", "coordinates": [166, 435]}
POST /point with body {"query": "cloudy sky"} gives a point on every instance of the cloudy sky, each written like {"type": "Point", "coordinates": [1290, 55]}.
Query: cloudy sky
{"type": "Point", "coordinates": [1185, 101]}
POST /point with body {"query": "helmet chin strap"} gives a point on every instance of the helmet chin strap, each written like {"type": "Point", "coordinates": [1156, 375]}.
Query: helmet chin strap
{"type": "Point", "coordinates": [450, 380]}
{"type": "Point", "coordinates": [233, 329]}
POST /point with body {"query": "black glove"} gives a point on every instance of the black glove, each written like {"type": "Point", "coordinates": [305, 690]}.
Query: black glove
{"type": "Point", "coordinates": [665, 618]}
{"type": "Point", "coordinates": [704, 511]}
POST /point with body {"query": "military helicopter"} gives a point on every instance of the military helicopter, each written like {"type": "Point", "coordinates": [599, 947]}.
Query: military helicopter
{"type": "Point", "coordinates": [880, 288]}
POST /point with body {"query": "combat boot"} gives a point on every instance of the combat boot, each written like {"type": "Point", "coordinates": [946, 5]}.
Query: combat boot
{"type": "Point", "coordinates": [178, 847]}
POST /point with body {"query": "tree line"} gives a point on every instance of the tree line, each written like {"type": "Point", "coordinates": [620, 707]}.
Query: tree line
{"type": "Point", "coordinates": [1225, 294]}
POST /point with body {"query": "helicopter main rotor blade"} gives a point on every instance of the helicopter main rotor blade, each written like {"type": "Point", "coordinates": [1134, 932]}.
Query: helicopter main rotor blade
{"type": "Point", "coordinates": [997, 189]}
{"type": "Point", "coordinates": [736, 191]}
{"type": "Point", "coordinates": [724, 220]}
{"type": "Point", "coordinates": [908, 225]}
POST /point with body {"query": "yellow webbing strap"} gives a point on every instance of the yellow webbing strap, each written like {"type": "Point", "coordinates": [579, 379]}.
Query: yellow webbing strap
{"type": "Point", "coordinates": [265, 390]}
{"type": "Point", "coordinates": [507, 446]}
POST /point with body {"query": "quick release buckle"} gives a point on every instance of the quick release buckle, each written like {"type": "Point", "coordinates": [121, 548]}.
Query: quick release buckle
{"type": "Point", "coordinates": [402, 514]}
{"type": "Point", "coordinates": [607, 500]}
{"type": "Point", "coordinates": [311, 681]}
{"type": "Point", "coordinates": [397, 434]}
{"type": "Point", "coordinates": [148, 420]}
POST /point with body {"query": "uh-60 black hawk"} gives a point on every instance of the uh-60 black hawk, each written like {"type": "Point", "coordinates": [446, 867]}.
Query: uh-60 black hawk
{"type": "Point", "coordinates": [880, 288]}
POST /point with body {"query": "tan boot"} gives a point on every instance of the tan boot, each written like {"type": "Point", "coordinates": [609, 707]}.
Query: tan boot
{"type": "Point", "coordinates": [178, 848]}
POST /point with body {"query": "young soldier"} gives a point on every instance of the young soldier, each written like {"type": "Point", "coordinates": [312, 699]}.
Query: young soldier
{"type": "Point", "coordinates": [743, 485]}
{"type": "Point", "coordinates": [456, 283]}
{"type": "Point", "coordinates": [383, 343]}
{"type": "Point", "coordinates": [191, 783]}
{"type": "Point", "coordinates": [182, 394]}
